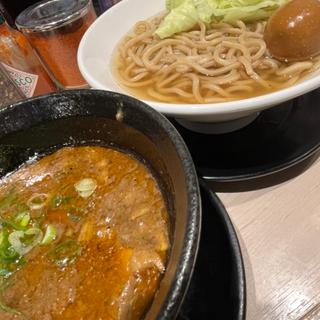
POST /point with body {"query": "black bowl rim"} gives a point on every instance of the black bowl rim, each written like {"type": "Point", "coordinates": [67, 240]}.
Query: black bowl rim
{"type": "Point", "coordinates": [259, 172]}
{"type": "Point", "coordinates": [171, 305]}
{"type": "Point", "coordinates": [235, 249]}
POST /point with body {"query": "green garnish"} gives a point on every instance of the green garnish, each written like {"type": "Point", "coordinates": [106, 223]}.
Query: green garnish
{"type": "Point", "coordinates": [75, 213]}
{"type": "Point", "coordinates": [4, 285]}
{"type": "Point", "coordinates": [3, 306]}
{"type": "Point", "coordinates": [5, 273]}
{"type": "Point", "coordinates": [23, 219]}
{"type": "Point", "coordinates": [7, 254]}
{"type": "Point", "coordinates": [37, 201]}
{"type": "Point", "coordinates": [2, 237]}
{"type": "Point", "coordinates": [8, 200]}
{"type": "Point", "coordinates": [85, 187]}
{"type": "Point", "coordinates": [73, 217]}
{"type": "Point", "coordinates": [50, 235]}
{"type": "Point", "coordinates": [20, 232]}
{"type": "Point", "coordinates": [7, 309]}
{"type": "Point", "coordinates": [13, 225]}
{"type": "Point", "coordinates": [60, 200]}
{"type": "Point", "coordinates": [64, 253]}
{"type": "Point", "coordinates": [23, 242]}
{"type": "Point", "coordinates": [77, 209]}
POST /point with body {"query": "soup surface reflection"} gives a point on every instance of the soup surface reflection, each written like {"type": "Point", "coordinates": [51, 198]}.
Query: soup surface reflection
{"type": "Point", "coordinates": [83, 235]}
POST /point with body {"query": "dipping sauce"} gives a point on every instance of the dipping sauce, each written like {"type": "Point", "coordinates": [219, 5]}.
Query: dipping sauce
{"type": "Point", "coordinates": [84, 235]}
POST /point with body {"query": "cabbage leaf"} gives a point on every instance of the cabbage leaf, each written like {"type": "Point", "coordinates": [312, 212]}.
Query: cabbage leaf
{"type": "Point", "coordinates": [246, 10]}
{"type": "Point", "coordinates": [181, 18]}
{"type": "Point", "coordinates": [183, 15]}
{"type": "Point", "coordinates": [204, 9]}
{"type": "Point", "coordinates": [171, 4]}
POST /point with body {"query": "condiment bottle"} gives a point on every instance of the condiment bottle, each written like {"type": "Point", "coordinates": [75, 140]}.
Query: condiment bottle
{"type": "Point", "coordinates": [20, 61]}
{"type": "Point", "coordinates": [55, 28]}
{"type": "Point", "coordinates": [9, 91]}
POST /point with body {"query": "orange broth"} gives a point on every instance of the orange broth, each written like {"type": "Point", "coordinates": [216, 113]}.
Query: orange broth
{"type": "Point", "coordinates": [109, 237]}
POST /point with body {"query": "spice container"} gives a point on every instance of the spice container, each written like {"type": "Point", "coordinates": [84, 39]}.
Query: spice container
{"type": "Point", "coordinates": [9, 91]}
{"type": "Point", "coordinates": [20, 61]}
{"type": "Point", "coordinates": [55, 28]}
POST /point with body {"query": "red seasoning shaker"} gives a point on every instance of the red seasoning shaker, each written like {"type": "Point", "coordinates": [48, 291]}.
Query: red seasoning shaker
{"type": "Point", "coordinates": [54, 29]}
{"type": "Point", "coordinates": [21, 63]}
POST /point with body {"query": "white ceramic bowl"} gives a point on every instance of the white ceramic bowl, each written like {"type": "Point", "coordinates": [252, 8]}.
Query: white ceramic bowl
{"type": "Point", "coordinates": [96, 51]}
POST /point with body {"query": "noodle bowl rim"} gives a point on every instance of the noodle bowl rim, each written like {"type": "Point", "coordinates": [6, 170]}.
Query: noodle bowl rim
{"type": "Point", "coordinates": [235, 107]}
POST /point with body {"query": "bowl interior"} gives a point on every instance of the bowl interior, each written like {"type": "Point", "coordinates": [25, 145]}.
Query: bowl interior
{"type": "Point", "coordinates": [40, 125]}
{"type": "Point", "coordinates": [95, 59]}
{"type": "Point", "coordinates": [97, 50]}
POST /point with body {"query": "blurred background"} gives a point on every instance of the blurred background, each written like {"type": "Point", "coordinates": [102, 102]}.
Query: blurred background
{"type": "Point", "coordinates": [12, 8]}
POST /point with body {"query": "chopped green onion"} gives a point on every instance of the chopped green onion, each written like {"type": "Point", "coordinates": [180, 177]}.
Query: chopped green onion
{"type": "Point", "coordinates": [7, 254]}
{"type": "Point", "coordinates": [75, 213]}
{"type": "Point", "coordinates": [9, 223]}
{"type": "Point", "coordinates": [3, 306]}
{"type": "Point", "coordinates": [4, 285]}
{"type": "Point", "coordinates": [5, 273]}
{"type": "Point", "coordinates": [23, 219]}
{"type": "Point", "coordinates": [21, 248]}
{"type": "Point", "coordinates": [73, 217]}
{"type": "Point", "coordinates": [2, 236]}
{"type": "Point", "coordinates": [50, 235]}
{"type": "Point", "coordinates": [37, 201]}
{"type": "Point", "coordinates": [37, 236]}
{"type": "Point", "coordinates": [34, 231]}
{"type": "Point", "coordinates": [7, 309]}
{"type": "Point", "coordinates": [64, 253]}
{"type": "Point", "coordinates": [8, 200]}
{"type": "Point", "coordinates": [77, 209]}
{"type": "Point", "coordinates": [17, 245]}
{"type": "Point", "coordinates": [86, 187]}
{"type": "Point", "coordinates": [60, 200]}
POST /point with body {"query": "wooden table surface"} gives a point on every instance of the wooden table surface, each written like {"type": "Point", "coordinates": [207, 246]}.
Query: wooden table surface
{"type": "Point", "coordinates": [279, 232]}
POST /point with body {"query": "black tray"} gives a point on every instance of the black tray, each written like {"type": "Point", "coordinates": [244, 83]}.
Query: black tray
{"type": "Point", "coordinates": [217, 289]}
{"type": "Point", "coordinates": [278, 139]}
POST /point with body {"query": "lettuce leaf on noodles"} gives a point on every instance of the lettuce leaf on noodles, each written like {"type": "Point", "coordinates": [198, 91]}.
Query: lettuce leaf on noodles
{"type": "Point", "coordinates": [171, 4]}
{"type": "Point", "coordinates": [246, 10]}
{"type": "Point", "coordinates": [204, 10]}
{"type": "Point", "coordinates": [181, 18]}
{"type": "Point", "coordinates": [184, 14]}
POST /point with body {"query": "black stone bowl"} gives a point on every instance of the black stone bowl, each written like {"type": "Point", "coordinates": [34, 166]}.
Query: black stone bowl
{"type": "Point", "coordinates": [83, 117]}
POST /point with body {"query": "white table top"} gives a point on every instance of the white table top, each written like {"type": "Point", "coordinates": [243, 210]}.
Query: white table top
{"type": "Point", "coordinates": [279, 231]}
